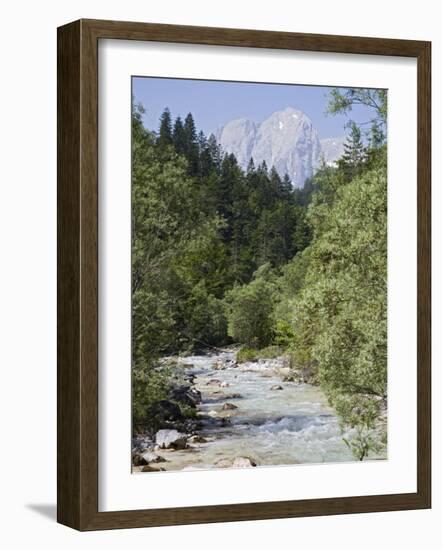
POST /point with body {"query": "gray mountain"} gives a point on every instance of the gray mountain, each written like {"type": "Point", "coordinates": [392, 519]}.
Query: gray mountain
{"type": "Point", "coordinates": [332, 149]}
{"type": "Point", "coordinates": [286, 140]}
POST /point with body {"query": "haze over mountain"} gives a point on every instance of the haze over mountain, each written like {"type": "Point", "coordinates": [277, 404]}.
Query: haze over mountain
{"type": "Point", "coordinates": [286, 140]}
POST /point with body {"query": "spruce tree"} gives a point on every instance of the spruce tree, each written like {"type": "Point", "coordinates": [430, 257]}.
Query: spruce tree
{"type": "Point", "coordinates": [191, 144]}
{"type": "Point", "coordinates": [165, 132]}
{"type": "Point", "coordinates": [215, 152]}
{"type": "Point", "coordinates": [352, 161]}
{"type": "Point", "coordinates": [179, 136]}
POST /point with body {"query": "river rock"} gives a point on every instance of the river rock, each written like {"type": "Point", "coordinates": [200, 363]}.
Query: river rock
{"type": "Point", "coordinates": [152, 458]}
{"type": "Point", "coordinates": [276, 387]}
{"type": "Point", "coordinates": [165, 410]}
{"type": "Point", "coordinates": [197, 439]}
{"type": "Point", "coordinates": [214, 382]}
{"type": "Point", "coordinates": [141, 442]}
{"type": "Point", "coordinates": [219, 366]}
{"type": "Point", "coordinates": [186, 395]}
{"type": "Point", "coordinates": [243, 462]}
{"type": "Point", "coordinates": [149, 468]}
{"type": "Point", "coordinates": [174, 439]}
{"type": "Point", "coordinates": [219, 394]}
{"type": "Point", "coordinates": [138, 460]}
{"type": "Point", "coordinates": [223, 463]}
{"type": "Point", "coordinates": [224, 385]}
{"type": "Point", "coordinates": [235, 396]}
{"type": "Point", "coordinates": [229, 407]}
{"type": "Point", "coordinates": [238, 462]}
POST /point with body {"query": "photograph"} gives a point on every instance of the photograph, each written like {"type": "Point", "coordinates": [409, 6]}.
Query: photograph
{"type": "Point", "coordinates": [259, 274]}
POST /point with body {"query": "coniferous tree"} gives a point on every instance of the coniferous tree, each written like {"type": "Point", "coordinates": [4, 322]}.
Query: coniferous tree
{"type": "Point", "coordinates": [179, 136]}
{"type": "Point", "coordinates": [352, 161]}
{"type": "Point", "coordinates": [206, 164]}
{"type": "Point", "coordinates": [165, 132]}
{"type": "Point", "coordinates": [191, 144]}
{"type": "Point", "coordinates": [215, 152]}
{"type": "Point", "coordinates": [286, 185]}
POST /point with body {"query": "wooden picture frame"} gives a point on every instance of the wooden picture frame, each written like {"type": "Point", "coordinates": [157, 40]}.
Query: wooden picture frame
{"type": "Point", "coordinates": [78, 274]}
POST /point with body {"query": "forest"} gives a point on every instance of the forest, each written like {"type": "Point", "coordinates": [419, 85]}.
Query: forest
{"type": "Point", "coordinates": [222, 256]}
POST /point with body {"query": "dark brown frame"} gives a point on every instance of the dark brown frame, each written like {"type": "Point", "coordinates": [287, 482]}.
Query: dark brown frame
{"type": "Point", "coordinates": [78, 269]}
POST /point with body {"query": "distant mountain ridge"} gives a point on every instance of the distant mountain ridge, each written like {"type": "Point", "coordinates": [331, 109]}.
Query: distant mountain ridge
{"type": "Point", "coordinates": [286, 140]}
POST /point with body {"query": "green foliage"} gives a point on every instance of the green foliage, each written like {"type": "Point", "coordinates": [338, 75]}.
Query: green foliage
{"type": "Point", "coordinates": [249, 311]}
{"type": "Point", "coordinates": [165, 133]}
{"type": "Point", "coordinates": [339, 317]}
{"type": "Point", "coordinates": [354, 157]}
{"type": "Point", "coordinates": [223, 255]}
{"type": "Point", "coordinates": [252, 354]}
{"type": "Point", "coordinates": [149, 385]}
{"type": "Point", "coordinates": [342, 101]}
{"type": "Point", "coordinates": [206, 324]}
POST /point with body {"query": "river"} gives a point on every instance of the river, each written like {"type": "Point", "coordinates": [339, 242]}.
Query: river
{"type": "Point", "coordinates": [271, 426]}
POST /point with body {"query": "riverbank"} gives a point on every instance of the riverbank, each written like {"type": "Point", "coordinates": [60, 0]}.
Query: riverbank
{"type": "Point", "coordinates": [246, 414]}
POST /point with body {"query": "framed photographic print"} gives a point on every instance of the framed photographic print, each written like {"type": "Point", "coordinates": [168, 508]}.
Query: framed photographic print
{"type": "Point", "coordinates": [243, 274]}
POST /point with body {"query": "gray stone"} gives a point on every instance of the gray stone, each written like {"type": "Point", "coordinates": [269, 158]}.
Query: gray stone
{"type": "Point", "coordinates": [174, 439]}
{"type": "Point", "coordinates": [165, 410]}
{"type": "Point", "coordinates": [229, 407]}
{"type": "Point", "coordinates": [150, 457]}
{"type": "Point", "coordinates": [243, 462]}
{"type": "Point", "coordinates": [149, 468]}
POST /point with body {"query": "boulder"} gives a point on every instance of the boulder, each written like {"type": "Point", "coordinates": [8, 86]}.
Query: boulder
{"type": "Point", "coordinates": [186, 395]}
{"type": "Point", "coordinates": [148, 468]}
{"type": "Point", "coordinates": [229, 407]}
{"type": "Point", "coordinates": [141, 442]}
{"type": "Point", "coordinates": [243, 462]}
{"type": "Point", "coordinates": [276, 387]}
{"type": "Point", "coordinates": [167, 439]}
{"type": "Point", "coordinates": [138, 460]}
{"type": "Point", "coordinates": [238, 462]}
{"type": "Point", "coordinates": [152, 458]}
{"type": "Point", "coordinates": [165, 410]}
{"type": "Point", "coordinates": [214, 382]}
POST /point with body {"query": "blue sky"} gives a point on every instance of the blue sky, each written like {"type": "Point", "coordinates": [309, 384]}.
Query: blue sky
{"type": "Point", "coordinates": [214, 103]}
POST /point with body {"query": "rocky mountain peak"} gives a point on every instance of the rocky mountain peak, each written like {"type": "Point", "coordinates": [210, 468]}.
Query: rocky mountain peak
{"type": "Point", "coordinates": [286, 140]}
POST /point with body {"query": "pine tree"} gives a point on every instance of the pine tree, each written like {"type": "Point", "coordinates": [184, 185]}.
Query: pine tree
{"type": "Point", "coordinates": [251, 166]}
{"type": "Point", "coordinates": [190, 129]}
{"type": "Point", "coordinates": [165, 133]}
{"type": "Point", "coordinates": [286, 185]}
{"type": "Point", "coordinates": [190, 144]}
{"type": "Point", "coordinates": [205, 165]}
{"type": "Point", "coordinates": [179, 136]}
{"type": "Point", "coordinates": [215, 152]}
{"type": "Point", "coordinates": [275, 183]}
{"type": "Point", "coordinates": [352, 161]}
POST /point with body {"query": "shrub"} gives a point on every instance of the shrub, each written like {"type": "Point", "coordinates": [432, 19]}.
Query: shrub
{"type": "Point", "coordinates": [249, 313]}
